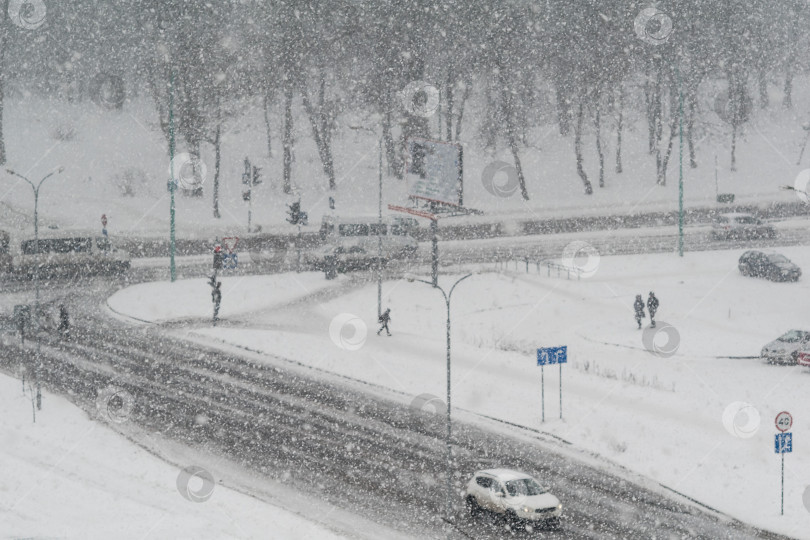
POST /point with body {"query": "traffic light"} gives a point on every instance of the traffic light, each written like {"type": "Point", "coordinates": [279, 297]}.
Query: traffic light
{"type": "Point", "coordinates": [246, 173]}
{"type": "Point", "coordinates": [294, 210]}
{"type": "Point", "coordinates": [218, 257]}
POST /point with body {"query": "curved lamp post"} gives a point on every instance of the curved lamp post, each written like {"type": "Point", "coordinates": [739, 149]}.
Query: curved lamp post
{"type": "Point", "coordinates": [35, 188]}
{"type": "Point", "coordinates": [447, 297]}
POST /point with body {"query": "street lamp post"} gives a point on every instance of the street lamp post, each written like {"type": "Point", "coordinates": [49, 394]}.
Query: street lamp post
{"type": "Point", "coordinates": [447, 297]}
{"type": "Point", "coordinates": [678, 80]}
{"type": "Point", "coordinates": [36, 188]}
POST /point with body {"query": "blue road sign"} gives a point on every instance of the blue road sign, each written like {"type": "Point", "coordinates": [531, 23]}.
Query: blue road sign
{"type": "Point", "coordinates": [783, 443]}
{"type": "Point", "coordinates": [230, 261]}
{"type": "Point", "coordinates": [552, 355]}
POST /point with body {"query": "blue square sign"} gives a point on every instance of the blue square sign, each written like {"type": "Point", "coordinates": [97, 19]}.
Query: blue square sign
{"type": "Point", "coordinates": [552, 355]}
{"type": "Point", "coordinates": [783, 443]}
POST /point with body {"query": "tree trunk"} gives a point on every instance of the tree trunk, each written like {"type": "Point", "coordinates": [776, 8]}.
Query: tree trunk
{"type": "Point", "coordinates": [619, 127]}
{"type": "Point", "coordinates": [599, 144]}
{"type": "Point", "coordinates": [287, 143]}
{"type": "Point", "coordinates": [450, 103]}
{"type": "Point", "coordinates": [322, 143]}
{"type": "Point", "coordinates": [578, 152]}
{"type": "Point", "coordinates": [508, 114]}
{"type": "Point", "coordinates": [763, 89]}
{"type": "Point", "coordinates": [267, 124]}
{"type": "Point", "coordinates": [515, 153]}
{"type": "Point", "coordinates": [464, 96]}
{"type": "Point", "coordinates": [490, 138]}
{"type": "Point", "coordinates": [4, 23]}
{"type": "Point", "coordinates": [563, 108]}
{"type": "Point", "coordinates": [734, 148]}
{"type": "Point", "coordinates": [196, 152]}
{"type": "Point", "coordinates": [648, 101]}
{"type": "Point", "coordinates": [217, 155]}
{"type": "Point", "coordinates": [664, 162]}
{"type": "Point", "coordinates": [787, 101]}
{"type": "Point", "coordinates": [690, 124]}
{"type": "Point", "coordinates": [388, 137]}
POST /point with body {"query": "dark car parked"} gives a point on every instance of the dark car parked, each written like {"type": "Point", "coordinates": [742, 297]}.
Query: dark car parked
{"type": "Point", "coordinates": [769, 265]}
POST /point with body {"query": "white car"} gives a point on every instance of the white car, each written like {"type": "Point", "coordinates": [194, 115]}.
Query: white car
{"type": "Point", "coordinates": [515, 495]}
{"type": "Point", "coordinates": [736, 225]}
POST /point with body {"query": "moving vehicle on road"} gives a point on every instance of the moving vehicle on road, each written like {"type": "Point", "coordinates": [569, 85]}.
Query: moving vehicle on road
{"type": "Point", "coordinates": [515, 495]}
{"type": "Point", "coordinates": [362, 242]}
{"type": "Point", "coordinates": [67, 255]}
{"type": "Point", "coordinates": [737, 225]}
{"type": "Point", "coordinates": [769, 265]}
{"type": "Point", "coordinates": [785, 349]}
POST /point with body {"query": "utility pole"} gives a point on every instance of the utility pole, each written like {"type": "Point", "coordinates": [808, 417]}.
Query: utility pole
{"type": "Point", "coordinates": [379, 241]}
{"type": "Point", "coordinates": [172, 269]}
{"type": "Point", "coordinates": [680, 164]}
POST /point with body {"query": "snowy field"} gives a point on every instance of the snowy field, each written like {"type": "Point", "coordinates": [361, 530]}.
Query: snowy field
{"type": "Point", "coordinates": [111, 153]}
{"type": "Point", "coordinates": [158, 302]}
{"type": "Point", "coordinates": [70, 476]}
{"type": "Point", "coordinates": [699, 421]}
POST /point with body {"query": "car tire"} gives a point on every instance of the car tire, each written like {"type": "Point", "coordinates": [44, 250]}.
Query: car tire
{"type": "Point", "coordinates": [472, 506]}
{"type": "Point", "coordinates": [554, 524]}
{"type": "Point", "coordinates": [794, 358]}
{"type": "Point", "coordinates": [511, 519]}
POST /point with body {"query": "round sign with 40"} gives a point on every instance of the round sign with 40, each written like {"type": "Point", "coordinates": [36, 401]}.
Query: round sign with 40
{"type": "Point", "coordinates": [784, 420]}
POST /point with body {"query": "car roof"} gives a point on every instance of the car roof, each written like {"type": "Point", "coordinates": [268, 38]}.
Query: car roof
{"type": "Point", "coordinates": [504, 474]}
{"type": "Point", "coordinates": [767, 252]}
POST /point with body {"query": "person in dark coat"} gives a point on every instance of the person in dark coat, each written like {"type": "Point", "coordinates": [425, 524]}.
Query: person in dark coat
{"type": "Point", "coordinates": [216, 297]}
{"type": "Point", "coordinates": [639, 307]}
{"type": "Point", "coordinates": [385, 318]}
{"type": "Point", "coordinates": [652, 306]}
{"type": "Point", "coordinates": [64, 323]}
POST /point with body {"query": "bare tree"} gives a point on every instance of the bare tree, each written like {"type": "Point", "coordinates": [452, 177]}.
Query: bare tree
{"type": "Point", "coordinates": [578, 151]}
{"type": "Point", "coordinates": [4, 28]}
{"type": "Point", "coordinates": [619, 129]}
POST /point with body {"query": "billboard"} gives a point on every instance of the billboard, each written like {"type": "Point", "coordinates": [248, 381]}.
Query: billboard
{"type": "Point", "coordinates": [435, 171]}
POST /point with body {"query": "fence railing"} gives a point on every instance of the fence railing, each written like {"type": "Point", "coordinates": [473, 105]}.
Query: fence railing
{"type": "Point", "coordinates": [548, 265]}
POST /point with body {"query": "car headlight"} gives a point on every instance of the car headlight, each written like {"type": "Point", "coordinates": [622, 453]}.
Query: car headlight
{"type": "Point", "coordinates": [527, 509]}
{"type": "Point", "coordinates": [559, 506]}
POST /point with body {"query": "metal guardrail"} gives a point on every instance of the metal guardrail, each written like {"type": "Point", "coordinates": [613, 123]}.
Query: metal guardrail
{"type": "Point", "coordinates": [561, 269]}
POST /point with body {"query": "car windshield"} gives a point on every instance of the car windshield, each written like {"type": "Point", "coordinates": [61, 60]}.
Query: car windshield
{"type": "Point", "coordinates": [793, 336]}
{"type": "Point", "coordinates": [776, 258]}
{"type": "Point", "coordinates": [524, 486]}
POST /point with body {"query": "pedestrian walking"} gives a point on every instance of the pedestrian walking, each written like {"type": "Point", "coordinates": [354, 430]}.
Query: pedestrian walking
{"type": "Point", "coordinates": [216, 297]}
{"type": "Point", "coordinates": [639, 307]}
{"type": "Point", "coordinates": [652, 307]}
{"type": "Point", "coordinates": [384, 319]}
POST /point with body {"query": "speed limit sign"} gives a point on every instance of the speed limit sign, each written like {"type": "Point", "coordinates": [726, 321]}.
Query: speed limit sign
{"type": "Point", "coordinates": [784, 420]}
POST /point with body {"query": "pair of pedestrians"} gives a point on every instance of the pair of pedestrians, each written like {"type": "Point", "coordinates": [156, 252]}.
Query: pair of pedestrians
{"type": "Point", "coordinates": [652, 307]}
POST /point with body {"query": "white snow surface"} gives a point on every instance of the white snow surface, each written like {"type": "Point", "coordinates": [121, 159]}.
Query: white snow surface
{"type": "Point", "coordinates": [110, 146]}
{"type": "Point", "coordinates": [661, 417]}
{"type": "Point", "coordinates": [70, 476]}
{"type": "Point", "coordinates": [191, 299]}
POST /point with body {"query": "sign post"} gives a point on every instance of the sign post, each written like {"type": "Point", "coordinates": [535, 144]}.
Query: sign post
{"type": "Point", "coordinates": [547, 356]}
{"type": "Point", "coordinates": [783, 444]}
